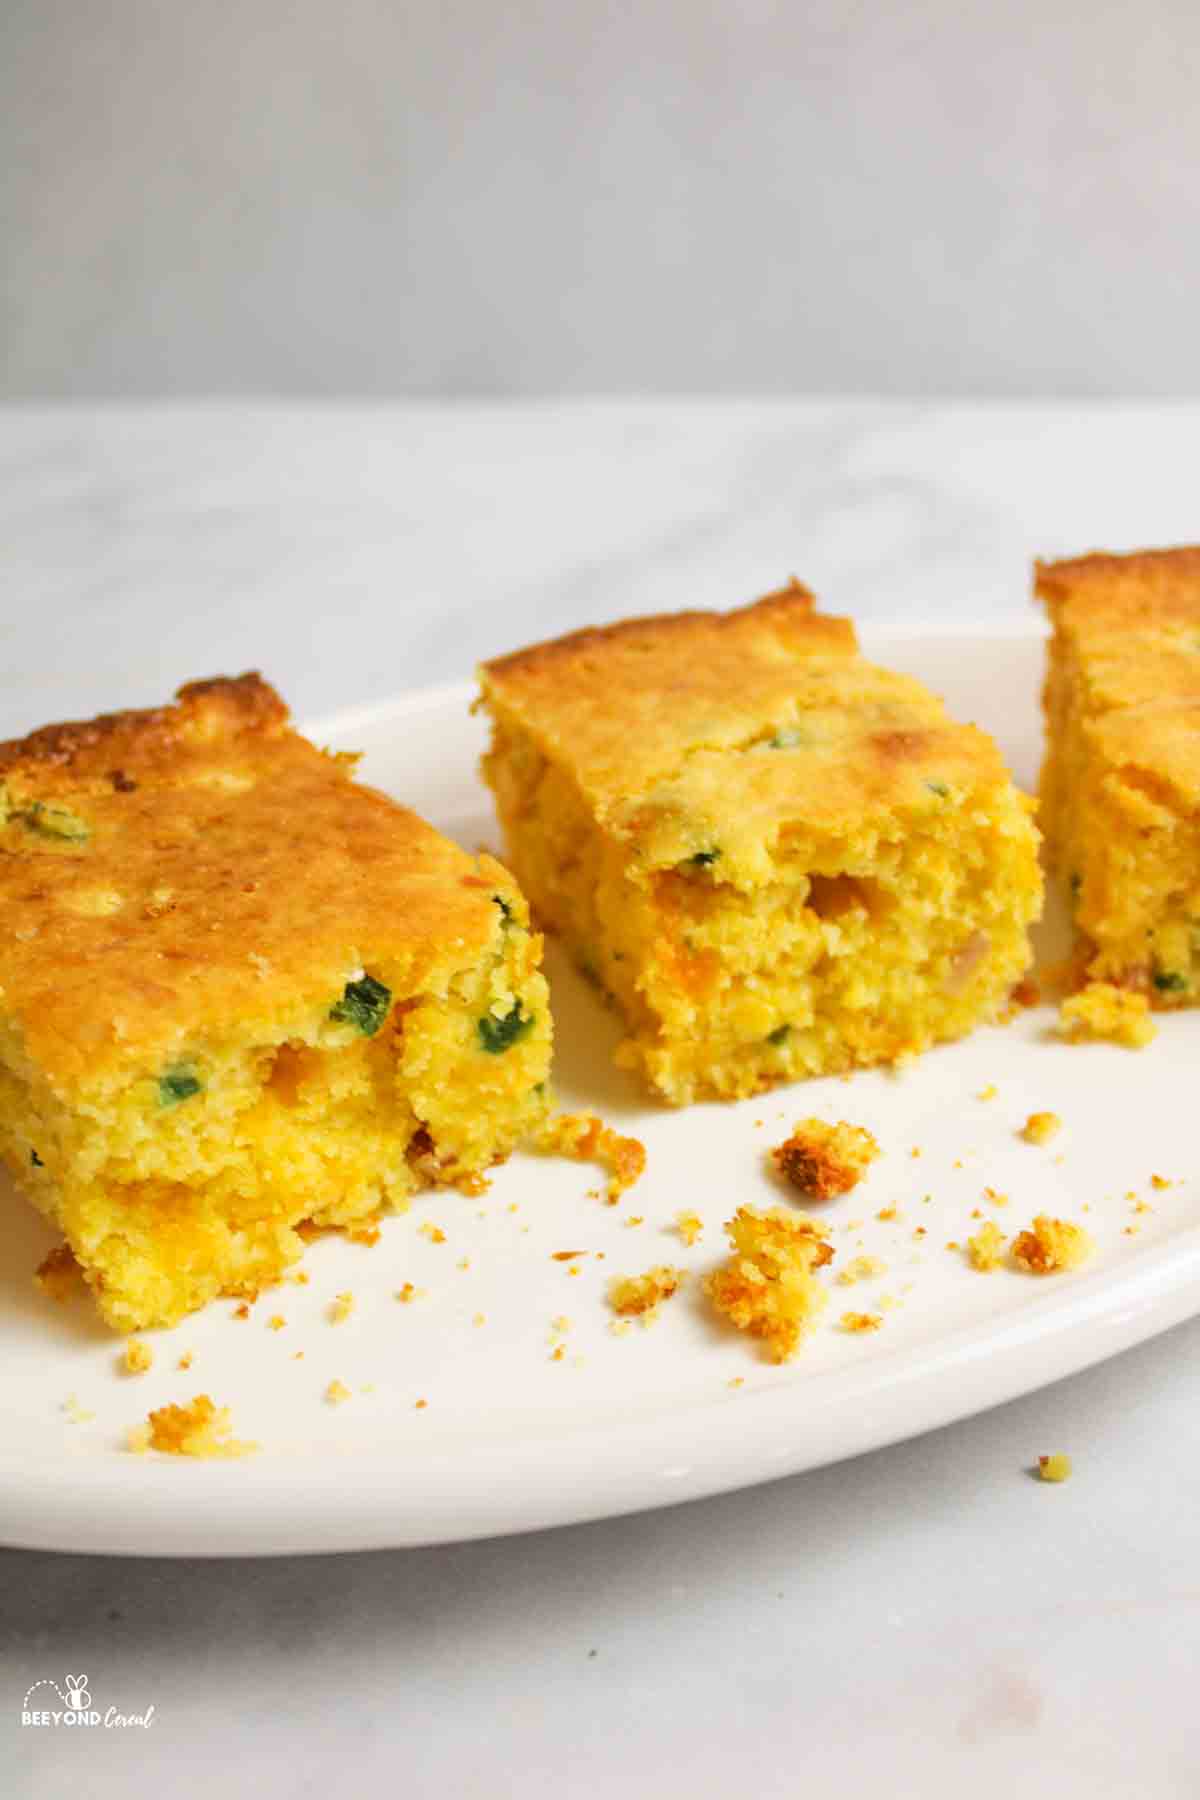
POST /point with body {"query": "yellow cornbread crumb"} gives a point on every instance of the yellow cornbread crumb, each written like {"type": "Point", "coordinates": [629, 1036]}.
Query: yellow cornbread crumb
{"type": "Point", "coordinates": [640, 1296]}
{"type": "Point", "coordinates": [337, 1392]}
{"type": "Point", "coordinates": [200, 1429]}
{"type": "Point", "coordinates": [276, 1322]}
{"type": "Point", "coordinates": [342, 1307]}
{"type": "Point", "coordinates": [58, 1274]}
{"type": "Point", "coordinates": [77, 1414]}
{"type": "Point", "coordinates": [434, 1233]}
{"type": "Point", "coordinates": [989, 1092]}
{"type": "Point", "coordinates": [861, 1269]}
{"type": "Point", "coordinates": [823, 1160]}
{"type": "Point", "coordinates": [186, 1360]}
{"type": "Point", "coordinates": [768, 1286]}
{"type": "Point", "coordinates": [1051, 1245]}
{"type": "Point", "coordinates": [1101, 1010]}
{"type": "Point", "coordinates": [585, 1138]}
{"type": "Point", "coordinates": [136, 1357]}
{"type": "Point", "coordinates": [986, 1248]}
{"type": "Point", "coordinates": [635, 1219]}
{"type": "Point", "coordinates": [1160, 1182]}
{"type": "Point", "coordinates": [1040, 1127]}
{"type": "Point", "coordinates": [989, 1193]}
{"type": "Point", "coordinates": [860, 1321]}
{"type": "Point", "coordinates": [690, 1227]}
{"type": "Point", "coordinates": [408, 1293]}
{"type": "Point", "coordinates": [1054, 1468]}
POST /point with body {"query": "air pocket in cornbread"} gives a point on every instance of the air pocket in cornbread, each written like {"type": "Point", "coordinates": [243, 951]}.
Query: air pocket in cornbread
{"type": "Point", "coordinates": [779, 859]}
{"type": "Point", "coordinates": [1121, 780]}
{"type": "Point", "coordinates": [238, 992]}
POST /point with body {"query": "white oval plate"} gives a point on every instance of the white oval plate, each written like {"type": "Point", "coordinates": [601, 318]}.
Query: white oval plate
{"type": "Point", "coordinates": [512, 1438]}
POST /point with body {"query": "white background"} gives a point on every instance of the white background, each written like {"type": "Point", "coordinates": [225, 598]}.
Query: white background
{"type": "Point", "coordinates": [369, 197]}
{"type": "Point", "coordinates": [928, 1620]}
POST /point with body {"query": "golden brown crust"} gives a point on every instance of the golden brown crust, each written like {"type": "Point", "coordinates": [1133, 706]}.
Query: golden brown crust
{"type": "Point", "coordinates": [234, 704]}
{"type": "Point", "coordinates": [1101, 579]}
{"type": "Point", "coordinates": [211, 860]}
{"type": "Point", "coordinates": [734, 725]}
{"type": "Point", "coordinates": [787, 612]}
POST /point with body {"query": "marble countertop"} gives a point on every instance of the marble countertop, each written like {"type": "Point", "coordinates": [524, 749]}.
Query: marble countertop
{"type": "Point", "coordinates": [922, 1620]}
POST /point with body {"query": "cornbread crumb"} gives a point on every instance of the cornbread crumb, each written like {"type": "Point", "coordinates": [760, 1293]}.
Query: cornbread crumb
{"type": "Point", "coordinates": [986, 1248]}
{"type": "Point", "coordinates": [861, 1269]}
{"type": "Point", "coordinates": [136, 1357]}
{"type": "Point", "coordinates": [341, 1308]}
{"type": "Point", "coordinates": [1040, 1127]}
{"type": "Point", "coordinates": [420, 1405]}
{"type": "Point", "coordinates": [824, 1160]}
{"type": "Point", "coordinates": [1054, 1468]}
{"type": "Point", "coordinates": [1051, 1245]}
{"type": "Point", "coordinates": [690, 1227]}
{"type": "Point", "coordinates": [337, 1392]}
{"type": "Point", "coordinates": [1101, 1010]}
{"type": "Point", "coordinates": [434, 1233]}
{"type": "Point", "coordinates": [242, 1311]}
{"type": "Point", "coordinates": [989, 1092]}
{"type": "Point", "coordinates": [887, 1212]}
{"type": "Point", "coordinates": [200, 1429]}
{"type": "Point", "coordinates": [59, 1275]}
{"type": "Point", "coordinates": [276, 1322]}
{"type": "Point", "coordinates": [1160, 1182]}
{"type": "Point", "coordinates": [997, 1199]}
{"type": "Point", "coordinates": [738, 1381]}
{"type": "Point", "coordinates": [408, 1293]}
{"type": "Point", "coordinates": [768, 1287]}
{"type": "Point", "coordinates": [479, 1319]}
{"type": "Point", "coordinates": [186, 1360]}
{"type": "Point", "coordinates": [640, 1296]}
{"type": "Point", "coordinates": [860, 1321]}
{"type": "Point", "coordinates": [635, 1219]}
{"type": "Point", "coordinates": [584, 1138]}
{"type": "Point", "coordinates": [619, 1327]}
{"type": "Point", "coordinates": [77, 1414]}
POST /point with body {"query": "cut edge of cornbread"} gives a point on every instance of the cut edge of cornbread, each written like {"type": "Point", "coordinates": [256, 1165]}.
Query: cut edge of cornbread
{"type": "Point", "coordinates": [750, 883]}
{"type": "Point", "coordinates": [1120, 783]}
{"type": "Point", "coordinates": [297, 1002]}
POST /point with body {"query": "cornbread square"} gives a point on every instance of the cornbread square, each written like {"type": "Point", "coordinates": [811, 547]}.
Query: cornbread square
{"type": "Point", "coordinates": [1121, 780]}
{"type": "Point", "coordinates": [778, 859]}
{"type": "Point", "coordinates": [239, 992]}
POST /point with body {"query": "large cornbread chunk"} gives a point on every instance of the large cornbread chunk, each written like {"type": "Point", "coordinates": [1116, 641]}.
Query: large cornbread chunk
{"type": "Point", "coordinates": [778, 859]}
{"type": "Point", "coordinates": [239, 992]}
{"type": "Point", "coordinates": [1121, 780]}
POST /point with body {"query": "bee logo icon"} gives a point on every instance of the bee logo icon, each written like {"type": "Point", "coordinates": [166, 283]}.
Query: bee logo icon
{"type": "Point", "coordinates": [78, 1696]}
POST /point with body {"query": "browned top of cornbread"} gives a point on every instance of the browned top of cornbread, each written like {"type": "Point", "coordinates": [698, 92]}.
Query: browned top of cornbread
{"type": "Point", "coordinates": [697, 725]}
{"type": "Point", "coordinates": [1109, 589]}
{"type": "Point", "coordinates": [165, 873]}
{"type": "Point", "coordinates": [1133, 623]}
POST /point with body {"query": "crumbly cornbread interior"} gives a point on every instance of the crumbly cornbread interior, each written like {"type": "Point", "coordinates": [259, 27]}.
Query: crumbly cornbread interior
{"type": "Point", "coordinates": [778, 859]}
{"type": "Point", "coordinates": [241, 992]}
{"type": "Point", "coordinates": [1120, 786]}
